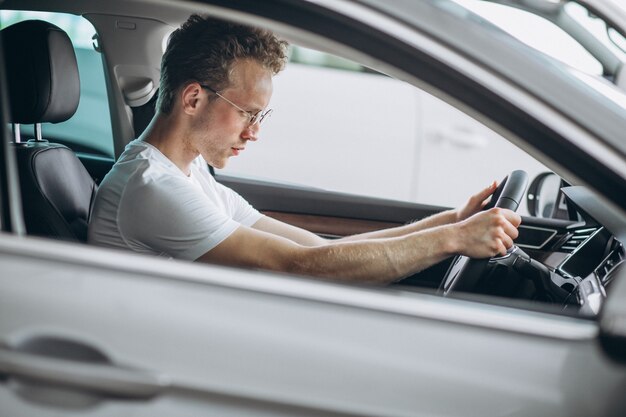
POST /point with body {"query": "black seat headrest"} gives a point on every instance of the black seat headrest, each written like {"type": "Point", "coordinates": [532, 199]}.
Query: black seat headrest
{"type": "Point", "coordinates": [41, 71]}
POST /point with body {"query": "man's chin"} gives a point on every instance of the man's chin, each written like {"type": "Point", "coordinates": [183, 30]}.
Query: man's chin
{"type": "Point", "coordinates": [218, 164]}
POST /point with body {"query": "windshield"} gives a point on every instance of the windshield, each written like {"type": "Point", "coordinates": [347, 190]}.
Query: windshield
{"type": "Point", "coordinates": [590, 49]}
{"type": "Point", "coordinates": [564, 34]}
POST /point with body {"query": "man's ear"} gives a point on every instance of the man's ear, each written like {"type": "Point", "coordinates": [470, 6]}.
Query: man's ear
{"type": "Point", "coordinates": [190, 98]}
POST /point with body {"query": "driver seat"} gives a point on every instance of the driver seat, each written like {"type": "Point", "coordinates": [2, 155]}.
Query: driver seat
{"type": "Point", "coordinates": [44, 86]}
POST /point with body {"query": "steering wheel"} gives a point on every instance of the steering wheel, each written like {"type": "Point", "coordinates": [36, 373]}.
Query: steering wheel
{"type": "Point", "coordinates": [464, 274]}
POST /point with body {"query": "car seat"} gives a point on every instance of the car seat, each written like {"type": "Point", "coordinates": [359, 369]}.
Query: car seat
{"type": "Point", "coordinates": [44, 86]}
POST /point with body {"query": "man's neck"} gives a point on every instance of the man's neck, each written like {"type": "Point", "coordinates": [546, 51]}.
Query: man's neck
{"type": "Point", "coordinates": [165, 134]}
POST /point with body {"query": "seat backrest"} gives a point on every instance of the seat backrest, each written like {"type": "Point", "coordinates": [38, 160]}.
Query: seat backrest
{"type": "Point", "coordinates": [42, 75]}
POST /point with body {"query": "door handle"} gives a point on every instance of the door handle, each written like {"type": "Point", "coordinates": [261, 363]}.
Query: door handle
{"type": "Point", "coordinates": [104, 379]}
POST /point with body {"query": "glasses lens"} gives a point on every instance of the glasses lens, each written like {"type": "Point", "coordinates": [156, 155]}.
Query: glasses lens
{"type": "Point", "coordinates": [254, 118]}
{"type": "Point", "coordinates": [265, 115]}
{"type": "Point", "coordinates": [259, 117]}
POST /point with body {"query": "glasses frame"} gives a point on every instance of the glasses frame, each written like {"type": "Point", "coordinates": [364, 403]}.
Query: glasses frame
{"type": "Point", "coordinates": [253, 118]}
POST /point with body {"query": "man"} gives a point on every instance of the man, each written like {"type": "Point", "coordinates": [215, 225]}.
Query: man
{"type": "Point", "coordinates": [216, 82]}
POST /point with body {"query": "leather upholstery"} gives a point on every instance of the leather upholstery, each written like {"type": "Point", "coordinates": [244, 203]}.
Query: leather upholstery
{"type": "Point", "coordinates": [57, 191]}
{"type": "Point", "coordinates": [42, 73]}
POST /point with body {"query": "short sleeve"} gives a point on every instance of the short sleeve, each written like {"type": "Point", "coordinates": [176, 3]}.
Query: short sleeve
{"type": "Point", "coordinates": [241, 211]}
{"type": "Point", "coordinates": [233, 204]}
{"type": "Point", "coordinates": [173, 217]}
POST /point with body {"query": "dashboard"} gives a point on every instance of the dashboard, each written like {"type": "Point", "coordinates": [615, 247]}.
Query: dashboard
{"type": "Point", "coordinates": [583, 255]}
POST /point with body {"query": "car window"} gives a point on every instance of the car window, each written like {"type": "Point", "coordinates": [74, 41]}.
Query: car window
{"type": "Point", "coordinates": [538, 33]}
{"type": "Point", "coordinates": [311, 57]}
{"type": "Point", "coordinates": [364, 133]}
{"type": "Point", "coordinates": [598, 27]}
{"type": "Point", "coordinates": [89, 130]}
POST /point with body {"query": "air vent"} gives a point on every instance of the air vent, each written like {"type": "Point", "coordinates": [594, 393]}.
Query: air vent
{"type": "Point", "coordinates": [615, 258]}
{"type": "Point", "coordinates": [576, 239]}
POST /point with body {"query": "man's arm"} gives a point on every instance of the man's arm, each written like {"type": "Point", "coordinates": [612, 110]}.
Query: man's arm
{"type": "Point", "coordinates": [295, 234]}
{"type": "Point", "coordinates": [306, 238]}
{"type": "Point", "coordinates": [303, 237]}
{"type": "Point", "coordinates": [381, 260]}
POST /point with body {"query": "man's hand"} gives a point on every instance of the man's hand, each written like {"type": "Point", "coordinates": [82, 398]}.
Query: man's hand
{"type": "Point", "coordinates": [475, 203]}
{"type": "Point", "coordinates": [488, 233]}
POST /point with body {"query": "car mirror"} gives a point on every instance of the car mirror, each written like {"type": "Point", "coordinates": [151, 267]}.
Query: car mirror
{"type": "Point", "coordinates": [543, 195]}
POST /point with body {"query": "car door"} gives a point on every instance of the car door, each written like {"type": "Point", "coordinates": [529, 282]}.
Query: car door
{"type": "Point", "coordinates": [168, 338]}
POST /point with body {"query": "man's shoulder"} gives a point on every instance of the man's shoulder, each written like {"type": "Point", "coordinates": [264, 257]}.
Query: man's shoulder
{"type": "Point", "coordinates": [142, 162]}
{"type": "Point", "coordinates": [139, 153]}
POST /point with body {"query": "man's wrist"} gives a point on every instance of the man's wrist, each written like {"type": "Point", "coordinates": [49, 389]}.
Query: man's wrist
{"type": "Point", "coordinates": [453, 216]}
{"type": "Point", "coordinates": [450, 242]}
{"type": "Point", "coordinates": [456, 215]}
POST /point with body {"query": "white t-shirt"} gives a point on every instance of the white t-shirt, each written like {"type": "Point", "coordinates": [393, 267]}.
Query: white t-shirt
{"type": "Point", "coordinates": [148, 205]}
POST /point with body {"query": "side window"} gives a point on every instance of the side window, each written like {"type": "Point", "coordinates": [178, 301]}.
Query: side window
{"type": "Point", "coordinates": [538, 33]}
{"type": "Point", "coordinates": [89, 130]}
{"type": "Point", "coordinates": [361, 132]}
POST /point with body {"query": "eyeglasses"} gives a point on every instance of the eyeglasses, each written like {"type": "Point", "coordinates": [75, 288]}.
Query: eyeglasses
{"type": "Point", "coordinates": [253, 118]}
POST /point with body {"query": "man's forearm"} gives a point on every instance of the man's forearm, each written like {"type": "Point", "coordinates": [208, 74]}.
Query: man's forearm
{"type": "Point", "coordinates": [380, 260]}
{"type": "Point", "coordinates": [439, 219]}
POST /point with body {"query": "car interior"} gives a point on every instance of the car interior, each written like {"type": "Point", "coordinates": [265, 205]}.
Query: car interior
{"type": "Point", "coordinates": [44, 87]}
{"type": "Point", "coordinates": [566, 260]}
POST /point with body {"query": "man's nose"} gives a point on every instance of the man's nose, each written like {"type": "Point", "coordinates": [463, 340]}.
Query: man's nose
{"type": "Point", "coordinates": [251, 132]}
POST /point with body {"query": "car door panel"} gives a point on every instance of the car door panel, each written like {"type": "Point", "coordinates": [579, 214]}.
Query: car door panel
{"type": "Point", "coordinates": [339, 214]}
{"type": "Point", "coordinates": [329, 226]}
{"type": "Point", "coordinates": [309, 207]}
{"type": "Point", "coordinates": [192, 326]}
